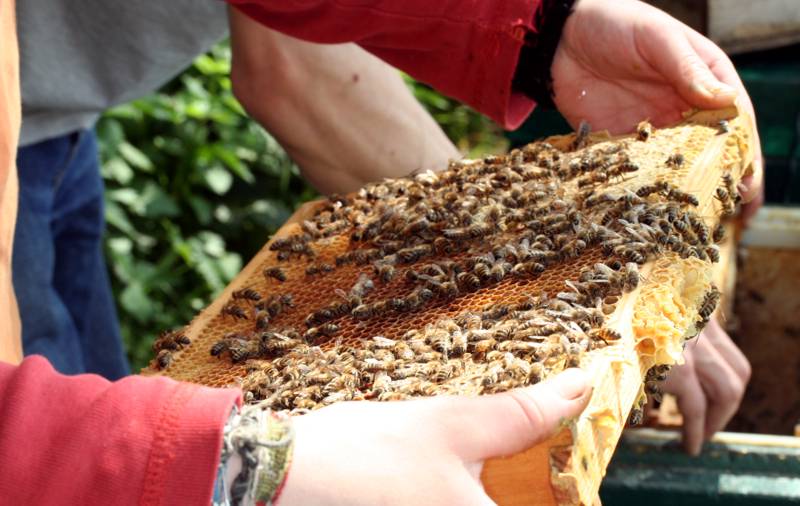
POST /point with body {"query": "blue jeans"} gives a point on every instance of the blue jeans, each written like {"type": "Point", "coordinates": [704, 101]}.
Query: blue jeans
{"type": "Point", "coordinates": [60, 277]}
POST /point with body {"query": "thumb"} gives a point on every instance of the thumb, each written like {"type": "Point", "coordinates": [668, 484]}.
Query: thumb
{"type": "Point", "coordinates": [508, 423]}
{"type": "Point", "coordinates": [669, 51]}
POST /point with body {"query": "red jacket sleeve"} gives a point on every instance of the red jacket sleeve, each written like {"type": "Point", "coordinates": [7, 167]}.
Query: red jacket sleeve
{"type": "Point", "coordinates": [467, 49]}
{"type": "Point", "coordinates": [84, 440]}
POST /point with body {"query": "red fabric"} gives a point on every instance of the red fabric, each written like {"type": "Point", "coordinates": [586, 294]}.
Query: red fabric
{"type": "Point", "coordinates": [84, 440]}
{"type": "Point", "coordinates": [467, 49]}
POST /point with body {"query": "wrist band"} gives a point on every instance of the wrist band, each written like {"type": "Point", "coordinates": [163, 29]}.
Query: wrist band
{"type": "Point", "coordinates": [264, 441]}
{"type": "Point", "coordinates": [532, 76]}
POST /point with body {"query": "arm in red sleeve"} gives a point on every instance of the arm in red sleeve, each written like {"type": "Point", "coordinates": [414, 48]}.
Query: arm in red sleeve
{"type": "Point", "coordinates": [84, 440]}
{"type": "Point", "coordinates": [467, 49]}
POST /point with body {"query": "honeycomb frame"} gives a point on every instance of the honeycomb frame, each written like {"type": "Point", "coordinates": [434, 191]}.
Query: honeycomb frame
{"type": "Point", "coordinates": [654, 320]}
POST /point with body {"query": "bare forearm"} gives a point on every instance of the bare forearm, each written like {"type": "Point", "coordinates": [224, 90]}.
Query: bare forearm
{"type": "Point", "coordinates": [344, 116]}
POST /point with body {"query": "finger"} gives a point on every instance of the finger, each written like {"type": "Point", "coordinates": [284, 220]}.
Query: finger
{"type": "Point", "coordinates": [722, 343]}
{"type": "Point", "coordinates": [723, 388]}
{"type": "Point", "coordinates": [723, 68]}
{"type": "Point", "coordinates": [507, 423]}
{"type": "Point", "coordinates": [668, 50]}
{"type": "Point", "coordinates": [750, 209]}
{"type": "Point", "coordinates": [684, 384]}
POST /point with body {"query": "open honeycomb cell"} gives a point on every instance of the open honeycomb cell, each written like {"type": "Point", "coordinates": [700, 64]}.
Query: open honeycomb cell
{"type": "Point", "coordinates": [591, 252]}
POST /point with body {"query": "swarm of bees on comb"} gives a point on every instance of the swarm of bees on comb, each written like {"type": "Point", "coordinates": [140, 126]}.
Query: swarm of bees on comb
{"type": "Point", "coordinates": [584, 250]}
{"type": "Point", "coordinates": [486, 276]}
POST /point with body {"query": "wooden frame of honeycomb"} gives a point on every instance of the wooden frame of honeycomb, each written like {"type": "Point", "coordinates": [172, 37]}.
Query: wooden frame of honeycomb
{"type": "Point", "coordinates": [649, 320]}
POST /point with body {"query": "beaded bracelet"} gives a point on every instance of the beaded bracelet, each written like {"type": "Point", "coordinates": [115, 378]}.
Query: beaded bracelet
{"type": "Point", "coordinates": [264, 441]}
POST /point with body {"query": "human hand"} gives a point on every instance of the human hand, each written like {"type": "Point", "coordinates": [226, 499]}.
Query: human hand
{"type": "Point", "coordinates": [709, 386]}
{"type": "Point", "coordinates": [623, 61]}
{"type": "Point", "coordinates": [427, 451]}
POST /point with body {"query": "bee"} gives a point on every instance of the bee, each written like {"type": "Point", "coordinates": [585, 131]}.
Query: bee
{"type": "Point", "coordinates": [657, 373]}
{"type": "Point", "coordinates": [384, 271]}
{"type": "Point", "coordinates": [275, 273]}
{"type": "Point", "coordinates": [593, 179]}
{"type": "Point", "coordinates": [164, 359]}
{"type": "Point", "coordinates": [644, 130]}
{"type": "Point", "coordinates": [414, 253]}
{"type": "Point", "coordinates": [598, 199]}
{"type": "Point", "coordinates": [719, 233]}
{"type": "Point", "coordinates": [727, 179]}
{"type": "Point", "coordinates": [276, 304]}
{"type": "Point", "coordinates": [604, 335]}
{"type": "Point", "coordinates": [657, 187]}
{"type": "Point", "coordinates": [286, 243]}
{"type": "Point", "coordinates": [468, 280]}
{"type": "Point", "coordinates": [708, 305]}
{"type": "Point", "coordinates": [713, 253]}
{"type": "Point", "coordinates": [724, 198]}
{"type": "Point", "coordinates": [581, 136]}
{"type": "Point", "coordinates": [653, 388]}
{"type": "Point", "coordinates": [573, 249]}
{"type": "Point", "coordinates": [273, 342]}
{"type": "Point", "coordinates": [483, 346]}
{"type": "Point", "coordinates": [682, 197]}
{"type": "Point", "coordinates": [320, 268]}
{"type": "Point", "coordinates": [365, 311]}
{"type": "Point", "coordinates": [416, 227]}
{"type": "Point", "coordinates": [631, 277]}
{"type": "Point", "coordinates": [536, 373]}
{"type": "Point", "coordinates": [171, 341]}
{"type": "Point", "coordinates": [636, 416]}
{"type": "Point", "coordinates": [623, 168]}
{"type": "Point", "coordinates": [239, 349]}
{"type": "Point", "coordinates": [675, 161]}
{"type": "Point", "coordinates": [262, 320]}
{"type": "Point", "coordinates": [246, 294]}
{"type": "Point", "coordinates": [235, 311]}
{"type": "Point", "coordinates": [361, 288]}
{"type": "Point", "coordinates": [440, 341]}
{"type": "Point", "coordinates": [700, 229]}
{"type": "Point", "coordinates": [494, 159]}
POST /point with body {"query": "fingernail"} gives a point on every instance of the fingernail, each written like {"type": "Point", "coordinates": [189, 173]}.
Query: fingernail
{"type": "Point", "coordinates": [715, 89]}
{"type": "Point", "coordinates": [570, 384]}
{"type": "Point", "coordinates": [718, 88]}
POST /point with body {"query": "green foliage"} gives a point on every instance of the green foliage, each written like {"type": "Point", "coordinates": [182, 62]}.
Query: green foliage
{"type": "Point", "coordinates": [194, 188]}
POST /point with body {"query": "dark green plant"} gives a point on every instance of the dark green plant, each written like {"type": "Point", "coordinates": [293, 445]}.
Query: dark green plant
{"type": "Point", "coordinates": [194, 188]}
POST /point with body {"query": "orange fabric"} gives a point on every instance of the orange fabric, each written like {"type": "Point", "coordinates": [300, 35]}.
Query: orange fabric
{"type": "Point", "coordinates": [10, 343]}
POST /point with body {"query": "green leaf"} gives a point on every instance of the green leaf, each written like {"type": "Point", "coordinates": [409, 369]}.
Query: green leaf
{"type": "Point", "coordinates": [231, 160]}
{"type": "Point", "coordinates": [135, 157]}
{"type": "Point", "coordinates": [218, 180]}
{"type": "Point", "coordinates": [201, 208]}
{"type": "Point", "coordinates": [212, 243]}
{"type": "Point", "coordinates": [117, 217]}
{"type": "Point", "coordinates": [134, 301]}
{"type": "Point", "coordinates": [110, 134]}
{"type": "Point", "coordinates": [155, 203]}
{"type": "Point", "coordinates": [116, 169]}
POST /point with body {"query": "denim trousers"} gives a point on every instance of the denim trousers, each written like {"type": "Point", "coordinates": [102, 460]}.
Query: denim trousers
{"type": "Point", "coordinates": [60, 276]}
